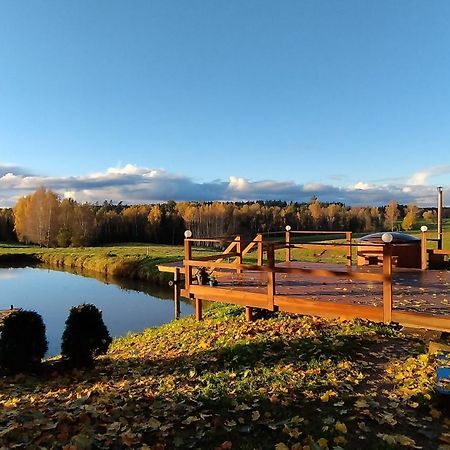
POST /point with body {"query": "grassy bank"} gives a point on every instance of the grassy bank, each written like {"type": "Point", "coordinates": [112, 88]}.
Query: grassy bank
{"type": "Point", "coordinates": [134, 260]}
{"type": "Point", "coordinates": [129, 261]}
{"type": "Point", "coordinates": [282, 383]}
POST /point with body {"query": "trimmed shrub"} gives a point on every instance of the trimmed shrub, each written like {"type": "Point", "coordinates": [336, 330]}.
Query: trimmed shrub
{"type": "Point", "coordinates": [85, 335]}
{"type": "Point", "coordinates": [22, 341]}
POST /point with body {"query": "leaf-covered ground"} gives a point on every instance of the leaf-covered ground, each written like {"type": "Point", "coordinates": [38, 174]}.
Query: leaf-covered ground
{"type": "Point", "coordinates": [288, 382]}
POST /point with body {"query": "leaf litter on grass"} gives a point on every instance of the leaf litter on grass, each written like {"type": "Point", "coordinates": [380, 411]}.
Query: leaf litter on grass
{"type": "Point", "coordinates": [292, 382]}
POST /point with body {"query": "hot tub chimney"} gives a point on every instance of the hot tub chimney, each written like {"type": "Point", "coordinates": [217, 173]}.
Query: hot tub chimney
{"type": "Point", "coordinates": [439, 217]}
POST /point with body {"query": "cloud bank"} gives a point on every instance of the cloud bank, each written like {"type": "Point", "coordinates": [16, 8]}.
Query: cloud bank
{"type": "Point", "coordinates": [132, 184]}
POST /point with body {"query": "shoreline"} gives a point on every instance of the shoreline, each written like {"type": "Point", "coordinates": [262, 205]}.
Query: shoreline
{"type": "Point", "coordinates": [126, 262]}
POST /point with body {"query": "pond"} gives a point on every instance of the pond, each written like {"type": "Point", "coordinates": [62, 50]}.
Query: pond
{"type": "Point", "coordinates": [127, 305]}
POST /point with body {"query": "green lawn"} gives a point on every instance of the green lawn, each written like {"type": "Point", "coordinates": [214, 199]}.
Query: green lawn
{"type": "Point", "coordinates": [287, 382]}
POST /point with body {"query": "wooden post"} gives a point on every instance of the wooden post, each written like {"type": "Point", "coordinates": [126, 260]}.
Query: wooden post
{"type": "Point", "coordinates": [387, 283]}
{"type": "Point", "coordinates": [259, 239]}
{"type": "Point", "coordinates": [348, 238]}
{"type": "Point", "coordinates": [198, 309]}
{"type": "Point", "coordinates": [248, 313]}
{"type": "Point", "coordinates": [423, 247]}
{"type": "Point", "coordinates": [270, 276]}
{"type": "Point", "coordinates": [238, 250]}
{"type": "Point", "coordinates": [176, 292]}
{"type": "Point", "coordinates": [439, 218]}
{"type": "Point", "coordinates": [288, 246]}
{"type": "Point", "coordinates": [187, 266]}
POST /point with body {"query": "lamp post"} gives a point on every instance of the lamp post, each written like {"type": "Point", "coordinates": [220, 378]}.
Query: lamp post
{"type": "Point", "coordinates": [387, 277]}
{"type": "Point", "coordinates": [423, 248]}
{"type": "Point", "coordinates": [187, 258]}
{"type": "Point", "coordinates": [439, 218]}
{"type": "Point", "coordinates": [288, 243]}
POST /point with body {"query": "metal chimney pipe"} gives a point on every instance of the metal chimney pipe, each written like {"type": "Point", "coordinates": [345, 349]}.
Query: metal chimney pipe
{"type": "Point", "coordinates": [439, 218]}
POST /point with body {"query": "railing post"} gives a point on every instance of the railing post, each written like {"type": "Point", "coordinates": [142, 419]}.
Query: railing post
{"type": "Point", "coordinates": [270, 276]}
{"type": "Point", "coordinates": [423, 248]}
{"type": "Point", "coordinates": [198, 309]}
{"type": "Point", "coordinates": [259, 239]}
{"type": "Point", "coordinates": [238, 250]}
{"type": "Point", "coordinates": [176, 292]}
{"type": "Point", "coordinates": [288, 246]}
{"type": "Point", "coordinates": [387, 283]}
{"type": "Point", "coordinates": [187, 265]}
{"type": "Point", "coordinates": [439, 218]}
{"type": "Point", "coordinates": [348, 238]}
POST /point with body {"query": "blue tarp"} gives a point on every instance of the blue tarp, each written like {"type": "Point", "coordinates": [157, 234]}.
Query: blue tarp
{"type": "Point", "coordinates": [443, 373]}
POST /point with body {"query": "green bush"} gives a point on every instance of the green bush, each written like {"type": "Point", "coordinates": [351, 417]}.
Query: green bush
{"type": "Point", "coordinates": [85, 335]}
{"type": "Point", "coordinates": [22, 341]}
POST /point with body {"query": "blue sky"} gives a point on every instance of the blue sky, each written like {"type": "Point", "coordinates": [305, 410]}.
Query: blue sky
{"type": "Point", "coordinates": [150, 100]}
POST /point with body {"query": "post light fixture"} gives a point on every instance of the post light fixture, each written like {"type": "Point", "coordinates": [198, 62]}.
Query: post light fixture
{"type": "Point", "coordinates": [188, 234]}
{"type": "Point", "coordinates": [387, 238]}
{"type": "Point", "coordinates": [288, 228]}
{"type": "Point", "coordinates": [423, 228]}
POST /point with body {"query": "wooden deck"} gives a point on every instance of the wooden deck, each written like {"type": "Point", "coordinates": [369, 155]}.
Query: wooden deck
{"type": "Point", "coordinates": [411, 297]}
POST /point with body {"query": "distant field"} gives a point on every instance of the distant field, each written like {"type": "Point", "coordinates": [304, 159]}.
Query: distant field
{"type": "Point", "coordinates": [140, 260]}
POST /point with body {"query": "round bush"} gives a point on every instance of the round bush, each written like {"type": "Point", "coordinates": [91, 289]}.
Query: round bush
{"type": "Point", "coordinates": [85, 335]}
{"type": "Point", "coordinates": [22, 340]}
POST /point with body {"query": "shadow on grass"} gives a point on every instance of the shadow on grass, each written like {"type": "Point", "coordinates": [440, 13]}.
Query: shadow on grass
{"type": "Point", "coordinates": [252, 394]}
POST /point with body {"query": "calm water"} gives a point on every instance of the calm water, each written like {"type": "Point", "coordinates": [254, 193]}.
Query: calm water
{"type": "Point", "coordinates": [126, 305]}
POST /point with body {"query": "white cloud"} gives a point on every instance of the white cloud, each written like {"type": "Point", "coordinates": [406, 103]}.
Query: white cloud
{"type": "Point", "coordinates": [421, 178]}
{"type": "Point", "coordinates": [133, 184]}
{"type": "Point", "coordinates": [238, 184]}
{"type": "Point", "coordinates": [362, 186]}
{"type": "Point", "coordinates": [313, 187]}
{"type": "Point", "coordinates": [128, 169]}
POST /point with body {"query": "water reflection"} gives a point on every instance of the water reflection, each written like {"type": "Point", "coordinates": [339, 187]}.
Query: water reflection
{"type": "Point", "coordinates": [127, 305]}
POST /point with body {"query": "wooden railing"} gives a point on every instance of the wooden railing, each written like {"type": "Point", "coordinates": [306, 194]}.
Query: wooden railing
{"type": "Point", "coordinates": [270, 300]}
{"type": "Point", "coordinates": [215, 262]}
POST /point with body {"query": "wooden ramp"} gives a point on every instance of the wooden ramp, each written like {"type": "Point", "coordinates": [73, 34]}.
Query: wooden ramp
{"type": "Point", "coordinates": [413, 298]}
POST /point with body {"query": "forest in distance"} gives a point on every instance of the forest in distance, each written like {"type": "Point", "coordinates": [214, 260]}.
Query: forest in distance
{"type": "Point", "coordinates": [43, 218]}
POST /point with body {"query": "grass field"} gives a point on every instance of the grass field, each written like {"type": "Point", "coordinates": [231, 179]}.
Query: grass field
{"type": "Point", "coordinates": [140, 260]}
{"type": "Point", "coordinates": [287, 382]}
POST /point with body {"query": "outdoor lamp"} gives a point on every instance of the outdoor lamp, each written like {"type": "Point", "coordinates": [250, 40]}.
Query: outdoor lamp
{"type": "Point", "coordinates": [387, 238]}
{"type": "Point", "coordinates": [288, 228]}
{"type": "Point", "coordinates": [188, 234]}
{"type": "Point", "coordinates": [423, 228]}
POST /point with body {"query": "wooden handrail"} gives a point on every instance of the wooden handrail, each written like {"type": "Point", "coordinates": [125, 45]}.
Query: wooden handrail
{"type": "Point", "coordinates": [290, 270]}
{"type": "Point", "coordinates": [227, 252]}
{"type": "Point", "coordinates": [318, 232]}
{"type": "Point", "coordinates": [219, 257]}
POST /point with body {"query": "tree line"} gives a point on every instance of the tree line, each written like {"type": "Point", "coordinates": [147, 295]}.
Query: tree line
{"type": "Point", "coordinates": [45, 219]}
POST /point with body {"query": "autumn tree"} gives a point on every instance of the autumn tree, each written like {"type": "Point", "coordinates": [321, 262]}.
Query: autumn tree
{"type": "Point", "coordinates": [66, 222]}
{"type": "Point", "coordinates": [391, 214]}
{"type": "Point", "coordinates": [22, 219]}
{"type": "Point", "coordinates": [84, 225]}
{"type": "Point", "coordinates": [154, 219]}
{"type": "Point", "coordinates": [316, 211]}
{"type": "Point", "coordinates": [7, 225]}
{"type": "Point", "coordinates": [410, 217]}
{"type": "Point", "coordinates": [430, 217]}
{"type": "Point", "coordinates": [36, 217]}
